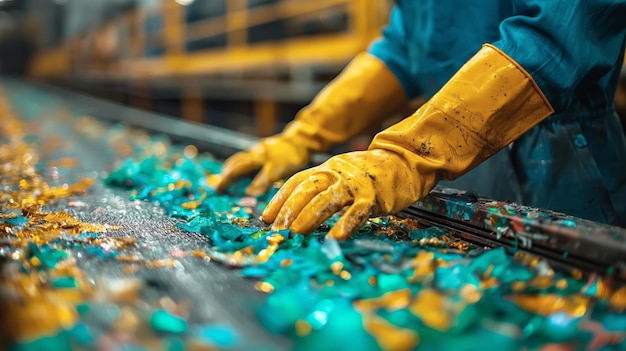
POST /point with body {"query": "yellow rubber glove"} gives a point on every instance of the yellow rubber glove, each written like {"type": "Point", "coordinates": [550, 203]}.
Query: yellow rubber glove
{"type": "Point", "coordinates": [487, 104]}
{"type": "Point", "coordinates": [363, 93]}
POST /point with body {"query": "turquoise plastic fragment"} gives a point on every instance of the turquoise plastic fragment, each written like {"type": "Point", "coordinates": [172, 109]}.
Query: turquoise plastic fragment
{"type": "Point", "coordinates": [454, 277]}
{"type": "Point", "coordinates": [479, 339]}
{"type": "Point", "coordinates": [65, 282]}
{"type": "Point", "coordinates": [399, 318]}
{"type": "Point", "coordinates": [238, 188]}
{"type": "Point", "coordinates": [291, 243]}
{"type": "Point", "coordinates": [254, 272]}
{"type": "Point", "coordinates": [343, 330]}
{"type": "Point", "coordinates": [17, 221]}
{"type": "Point", "coordinates": [220, 204]}
{"type": "Point", "coordinates": [173, 343]}
{"type": "Point", "coordinates": [48, 256]}
{"type": "Point", "coordinates": [198, 224]}
{"type": "Point", "coordinates": [59, 342]}
{"type": "Point", "coordinates": [560, 327]}
{"type": "Point", "coordinates": [82, 334]}
{"type": "Point", "coordinates": [232, 232]}
{"type": "Point", "coordinates": [222, 336]}
{"type": "Point", "coordinates": [163, 321]}
{"type": "Point", "coordinates": [189, 169]}
{"type": "Point", "coordinates": [515, 273]}
{"type": "Point", "coordinates": [494, 259]}
{"type": "Point", "coordinates": [284, 278]}
{"type": "Point", "coordinates": [211, 166]}
{"type": "Point", "coordinates": [466, 318]}
{"type": "Point", "coordinates": [100, 252]}
{"type": "Point", "coordinates": [568, 222]}
{"type": "Point", "coordinates": [286, 306]}
{"type": "Point", "coordinates": [459, 209]}
{"type": "Point", "coordinates": [533, 328]}
{"type": "Point", "coordinates": [418, 234]}
{"type": "Point", "coordinates": [82, 308]}
{"type": "Point", "coordinates": [319, 317]}
{"type": "Point", "coordinates": [427, 233]}
{"type": "Point", "coordinates": [580, 140]}
{"type": "Point", "coordinates": [391, 282]}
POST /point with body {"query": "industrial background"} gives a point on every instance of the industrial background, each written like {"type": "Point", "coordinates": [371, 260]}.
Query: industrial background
{"type": "Point", "coordinates": [212, 61]}
{"type": "Point", "coordinates": [248, 65]}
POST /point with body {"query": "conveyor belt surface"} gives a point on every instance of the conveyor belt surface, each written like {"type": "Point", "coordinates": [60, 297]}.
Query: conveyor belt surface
{"type": "Point", "coordinates": [217, 293]}
{"type": "Point", "coordinates": [399, 284]}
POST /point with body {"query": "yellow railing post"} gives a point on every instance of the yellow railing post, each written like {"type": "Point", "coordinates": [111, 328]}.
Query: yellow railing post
{"type": "Point", "coordinates": [138, 36]}
{"type": "Point", "coordinates": [265, 111]}
{"type": "Point", "coordinates": [236, 22]}
{"type": "Point", "coordinates": [192, 104]}
{"type": "Point", "coordinates": [173, 26]}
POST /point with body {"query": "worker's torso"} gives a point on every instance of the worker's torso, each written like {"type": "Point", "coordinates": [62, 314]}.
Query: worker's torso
{"type": "Point", "coordinates": [580, 147]}
{"type": "Point", "coordinates": [441, 35]}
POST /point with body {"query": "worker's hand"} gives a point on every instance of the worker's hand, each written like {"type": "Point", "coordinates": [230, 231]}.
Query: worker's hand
{"type": "Point", "coordinates": [486, 105]}
{"type": "Point", "coordinates": [371, 183]}
{"type": "Point", "coordinates": [365, 92]}
{"type": "Point", "coordinates": [274, 158]}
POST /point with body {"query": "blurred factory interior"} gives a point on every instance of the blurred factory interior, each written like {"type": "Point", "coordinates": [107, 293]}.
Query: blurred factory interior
{"type": "Point", "coordinates": [247, 65]}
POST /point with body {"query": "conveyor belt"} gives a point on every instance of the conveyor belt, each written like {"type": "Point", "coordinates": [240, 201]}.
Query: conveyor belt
{"type": "Point", "coordinates": [218, 294]}
{"type": "Point", "coordinates": [568, 242]}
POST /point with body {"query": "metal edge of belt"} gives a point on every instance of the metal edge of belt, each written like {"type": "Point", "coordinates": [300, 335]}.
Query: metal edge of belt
{"type": "Point", "coordinates": [154, 122]}
{"type": "Point", "coordinates": [159, 123]}
{"type": "Point", "coordinates": [566, 241]}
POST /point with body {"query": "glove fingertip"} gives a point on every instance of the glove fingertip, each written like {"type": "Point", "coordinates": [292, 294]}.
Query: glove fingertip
{"type": "Point", "coordinates": [269, 214]}
{"type": "Point", "coordinates": [222, 184]}
{"type": "Point", "coordinates": [338, 234]}
{"type": "Point", "coordinates": [350, 221]}
{"type": "Point", "coordinates": [257, 187]}
{"type": "Point", "coordinates": [272, 209]}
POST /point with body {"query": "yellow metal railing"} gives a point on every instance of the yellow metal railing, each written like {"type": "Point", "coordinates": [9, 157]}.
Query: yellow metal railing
{"type": "Point", "coordinates": [364, 19]}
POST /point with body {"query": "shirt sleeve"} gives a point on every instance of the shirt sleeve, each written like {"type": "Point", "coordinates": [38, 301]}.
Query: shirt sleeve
{"type": "Point", "coordinates": [391, 49]}
{"type": "Point", "coordinates": [566, 44]}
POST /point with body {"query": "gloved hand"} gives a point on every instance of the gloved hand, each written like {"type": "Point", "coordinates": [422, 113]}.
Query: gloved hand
{"type": "Point", "coordinates": [276, 157]}
{"type": "Point", "coordinates": [487, 104]}
{"type": "Point", "coordinates": [342, 110]}
{"type": "Point", "coordinates": [371, 182]}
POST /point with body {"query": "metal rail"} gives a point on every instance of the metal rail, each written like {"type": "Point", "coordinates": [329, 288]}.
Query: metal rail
{"type": "Point", "coordinates": [567, 242]}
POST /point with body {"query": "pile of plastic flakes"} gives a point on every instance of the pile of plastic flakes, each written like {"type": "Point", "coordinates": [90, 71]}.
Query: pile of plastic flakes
{"type": "Point", "coordinates": [47, 302]}
{"type": "Point", "coordinates": [392, 286]}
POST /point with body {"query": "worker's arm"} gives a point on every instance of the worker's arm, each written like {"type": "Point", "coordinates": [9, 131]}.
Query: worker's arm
{"type": "Point", "coordinates": [486, 105]}
{"type": "Point", "coordinates": [391, 49]}
{"type": "Point", "coordinates": [363, 93]}
{"type": "Point", "coordinates": [492, 100]}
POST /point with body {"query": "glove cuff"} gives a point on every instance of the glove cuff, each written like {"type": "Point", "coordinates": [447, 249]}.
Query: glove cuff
{"type": "Point", "coordinates": [365, 92]}
{"type": "Point", "coordinates": [487, 104]}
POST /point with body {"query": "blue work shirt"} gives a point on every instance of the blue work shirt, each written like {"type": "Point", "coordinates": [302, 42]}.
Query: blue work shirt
{"type": "Point", "coordinates": [575, 161]}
